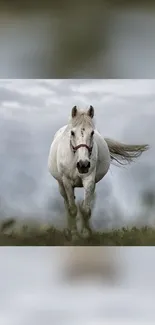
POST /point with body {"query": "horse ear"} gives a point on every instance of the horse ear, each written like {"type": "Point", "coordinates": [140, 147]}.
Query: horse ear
{"type": "Point", "coordinates": [91, 111]}
{"type": "Point", "coordinates": [74, 111]}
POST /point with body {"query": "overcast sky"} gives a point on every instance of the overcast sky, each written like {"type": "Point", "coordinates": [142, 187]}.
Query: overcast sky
{"type": "Point", "coordinates": [31, 111]}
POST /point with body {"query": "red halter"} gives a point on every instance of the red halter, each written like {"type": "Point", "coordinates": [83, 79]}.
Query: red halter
{"type": "Point", "coordinates": [81, 146]}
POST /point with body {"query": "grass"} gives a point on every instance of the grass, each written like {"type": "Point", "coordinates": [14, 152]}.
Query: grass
{"type": "Point", "coordinates": [28, 235]}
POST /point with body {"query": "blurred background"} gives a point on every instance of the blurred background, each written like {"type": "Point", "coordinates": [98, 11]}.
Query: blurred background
{"type": "Point", "coordinates": [31, 111]}
{"type": "Point", "coordinates": [36, 287]}
{"type": "Point", "coordinates": [77, 39]}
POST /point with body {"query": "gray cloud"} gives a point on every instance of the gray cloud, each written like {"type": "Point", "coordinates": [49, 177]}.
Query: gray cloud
{"type": "Point", "coordinates": [23, 99]}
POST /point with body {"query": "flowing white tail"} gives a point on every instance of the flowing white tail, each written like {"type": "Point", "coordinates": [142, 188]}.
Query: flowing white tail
{"type": "Point", "coordinates": [124, 153]}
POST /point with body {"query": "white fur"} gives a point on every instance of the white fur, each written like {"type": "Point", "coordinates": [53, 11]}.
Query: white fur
{"type": "Point", "coordinates": [62, 166]}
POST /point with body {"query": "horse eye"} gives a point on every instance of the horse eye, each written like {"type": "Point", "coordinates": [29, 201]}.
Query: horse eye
{"type": "Point", "coordinates": [92, 133]}
{"type": "Point", "coordinates": [73, 133]}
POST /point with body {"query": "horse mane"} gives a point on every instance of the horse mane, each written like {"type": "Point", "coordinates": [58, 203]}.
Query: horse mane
{"type": "Point", "coordinates": [83, 119]}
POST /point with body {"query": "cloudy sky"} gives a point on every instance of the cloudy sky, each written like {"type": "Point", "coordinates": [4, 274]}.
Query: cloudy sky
{"type": "Point", "coordinates": [31, 111]}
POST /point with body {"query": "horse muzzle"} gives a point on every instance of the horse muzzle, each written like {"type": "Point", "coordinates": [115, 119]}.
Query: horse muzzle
{"type": "Point", "coordinates": [83, 166]}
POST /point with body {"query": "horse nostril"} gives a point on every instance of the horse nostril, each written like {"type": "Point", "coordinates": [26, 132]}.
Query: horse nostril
{"type": "Point", "coordinates": [79, 164]}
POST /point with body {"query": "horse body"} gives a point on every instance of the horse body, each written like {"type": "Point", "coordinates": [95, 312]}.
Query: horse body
{"type": "Point", "coordinates": [80, 157]}
{"type": "Point", "coordinates": [62, 159]}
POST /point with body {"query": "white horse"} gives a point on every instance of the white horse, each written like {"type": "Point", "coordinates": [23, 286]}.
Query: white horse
{"type": "Point", "coordinates": [80, 157]}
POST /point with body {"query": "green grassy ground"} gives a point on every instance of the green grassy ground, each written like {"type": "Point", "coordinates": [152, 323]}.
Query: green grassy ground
{"type": "Point", "coordinates": [27, 235]}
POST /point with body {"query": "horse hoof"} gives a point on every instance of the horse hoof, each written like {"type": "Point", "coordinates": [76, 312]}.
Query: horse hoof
{"type": "Point", "coordinates": [75, 237]}
{"type": "Point", "coordinates": [86, 233]}
{"type": "Point", "coordinates": [67, 233]}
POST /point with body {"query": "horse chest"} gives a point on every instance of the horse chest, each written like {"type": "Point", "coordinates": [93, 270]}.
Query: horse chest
{"type": "Point", "coordinates": [76, 181]}
{"type": "Point", "coordinates": [74, 178]}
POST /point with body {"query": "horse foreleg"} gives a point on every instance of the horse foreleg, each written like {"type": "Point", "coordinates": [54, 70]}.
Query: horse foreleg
{"type": "Point", "coordinates": [64, 195]}
{"type": "Point", "coordinates": [85, 207]}
{"type": "Point", "coordinates": [67, 192]}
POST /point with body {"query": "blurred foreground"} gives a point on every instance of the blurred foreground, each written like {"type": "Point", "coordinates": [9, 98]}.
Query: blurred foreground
{"type": "Point", "coordinates": [37, 286]}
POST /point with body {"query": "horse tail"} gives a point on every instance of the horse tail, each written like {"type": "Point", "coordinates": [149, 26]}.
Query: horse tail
{"type": "Point", "coordinates": [125, 154]}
